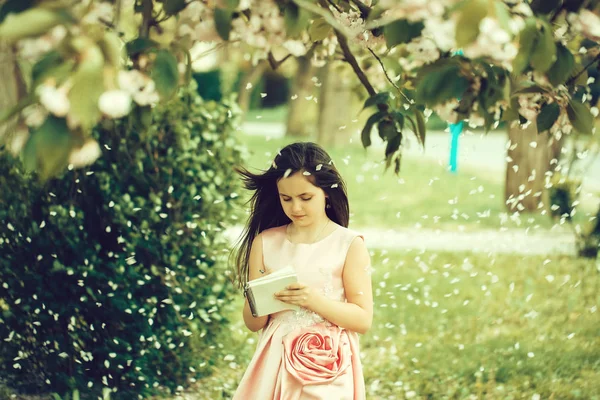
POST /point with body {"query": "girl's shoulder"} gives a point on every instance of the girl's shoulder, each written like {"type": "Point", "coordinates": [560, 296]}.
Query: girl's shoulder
{"type": "Point", "coordinates": [273, 232]}
{"type": "Point", "coordinates": [350, 233]}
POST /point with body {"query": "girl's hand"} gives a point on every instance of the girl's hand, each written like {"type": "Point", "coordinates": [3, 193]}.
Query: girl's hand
{"type": "Point", "coordinates": [298, 294]}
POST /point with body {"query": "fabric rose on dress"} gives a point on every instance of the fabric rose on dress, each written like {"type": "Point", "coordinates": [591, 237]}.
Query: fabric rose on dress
{"type": "Point", "coordinates": [317, 354]}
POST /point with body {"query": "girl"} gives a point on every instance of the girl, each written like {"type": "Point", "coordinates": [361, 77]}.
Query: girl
{"type": "Point", "coordinates": [299, 217]}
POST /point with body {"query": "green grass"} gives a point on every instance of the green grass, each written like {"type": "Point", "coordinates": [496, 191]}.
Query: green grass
{"type": "Point", "coordinates": [424, 194]}
{"type": "Point", "coordinates": [466, 326]}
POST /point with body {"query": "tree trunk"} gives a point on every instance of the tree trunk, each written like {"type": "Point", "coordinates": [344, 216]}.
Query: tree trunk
{"type": "Point", "coordinates": [12, 89]}
{"type": "Point", "coordinates": [334, 125]}
{"type": "Point", "coordinates": [529, 165]}
{"type": "Point", "coordinates": [299, 109]}
{"type": "Point", "coordinates": [251, 77]}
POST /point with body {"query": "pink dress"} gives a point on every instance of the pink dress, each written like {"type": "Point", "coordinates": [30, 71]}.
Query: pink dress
{"type": "Point", "coordinates": [299, 354]}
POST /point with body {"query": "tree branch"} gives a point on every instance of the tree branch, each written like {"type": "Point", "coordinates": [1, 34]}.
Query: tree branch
{"type": "Point", "coordinates": [147, 18]}
{"type": "Point", "coordinates": [388, 77]}
{"type": "Point", "coordinates": [383, 68]}
{"type": "Point", "coordinates": [274, 63]}
{"type": "Point", "coordinates": [350, 59]}
{"type": "Point", "coordinates": [574, 77]}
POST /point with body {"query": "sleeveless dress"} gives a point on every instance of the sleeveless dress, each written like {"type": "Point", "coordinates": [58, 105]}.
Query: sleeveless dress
{"type": "Point", "coordinates": [300, 355]}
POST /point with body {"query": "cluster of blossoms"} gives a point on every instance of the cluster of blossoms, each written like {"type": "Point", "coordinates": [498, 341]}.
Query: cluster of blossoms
{"type": "Point", "coordinates": [196, 24]}
{"type": "Point", "coordinates": [415, 10]}
{"type": "Point", "coordinates": [122, 88]}
{"type": "Point", "coordinates": [115, 102]}
{"type": "Point", "coordinates": [264, 31]}
{"type": "Point", "coordinates": [586, 23]}
{"type": "Point", "coordinates": [493, 42]}
{"type": "Point", "coordinates": [357, 30]}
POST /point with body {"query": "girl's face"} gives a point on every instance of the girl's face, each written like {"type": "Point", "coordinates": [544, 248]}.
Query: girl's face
{"type": "Point", "coordinates": [302, 202]}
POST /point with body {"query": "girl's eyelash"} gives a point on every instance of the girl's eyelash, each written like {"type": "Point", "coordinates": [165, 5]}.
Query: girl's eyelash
{"type": "Point", "coordinates": [286, 200]}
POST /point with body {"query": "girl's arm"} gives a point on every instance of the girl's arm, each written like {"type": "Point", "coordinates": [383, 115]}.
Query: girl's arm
{"type": "Point", "coordinates": [255, 263]}
{"type": "Point", "coordinates": [356, 314]}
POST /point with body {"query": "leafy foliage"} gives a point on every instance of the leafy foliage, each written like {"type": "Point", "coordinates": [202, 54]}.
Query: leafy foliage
{"type": "Point", "coordinates": [113, 275]}
{"type": "Point", "coordinates": [503, 44]}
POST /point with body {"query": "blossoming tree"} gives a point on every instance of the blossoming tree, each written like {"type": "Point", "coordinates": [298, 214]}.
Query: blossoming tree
{"type": "Point", "coordinates": [482, 61]}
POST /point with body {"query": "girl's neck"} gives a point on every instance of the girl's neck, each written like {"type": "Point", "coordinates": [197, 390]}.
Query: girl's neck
{"type": "Point", "coordinates": [309, 234]}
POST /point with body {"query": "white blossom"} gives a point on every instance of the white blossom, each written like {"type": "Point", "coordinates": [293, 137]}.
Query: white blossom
{"type": "Point", "coordinates": [34, 115]}
{"type": "Point", "coordinates": [442, 32]}
{"type": "Point", "coordinates": [34, 48]}
{"type": "Point", "coordinates": [86, 154]}
{"type": "Point", "coordinates": [414, 10]}
{"type": "Point", "coordinates": [447, 111]}
{"type": "Point", "coordinates": [115, 103]}
{"type": "Point", "coordinates": [139, 86]}
{"type": "Point", "coordinates": [296, 47]}
{"type": "Point", "coordinates": [588, 23]}
{"type": "Point", "coordinates": [54, 99]}
{"type": "Point", "coordinates": [422, 51]}
{"type": "Point", "coordinates": [493, 42]}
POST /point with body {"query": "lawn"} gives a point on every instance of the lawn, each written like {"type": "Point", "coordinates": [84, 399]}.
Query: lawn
{"type": "Point", "coordinates": [466, 326]}
{"type": "Point", "coordinates": [424, 194]}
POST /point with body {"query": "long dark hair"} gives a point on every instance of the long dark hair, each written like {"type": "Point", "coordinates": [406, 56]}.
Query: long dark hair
{"type": "Point", "coordinates": [265, 208]}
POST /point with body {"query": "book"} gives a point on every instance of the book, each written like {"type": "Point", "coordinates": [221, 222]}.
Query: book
{"type": "Point", "coordinates": [260, 291]}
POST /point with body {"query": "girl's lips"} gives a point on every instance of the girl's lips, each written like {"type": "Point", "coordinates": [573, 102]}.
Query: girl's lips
{"type": "Point", "coordinates": [298, 216]}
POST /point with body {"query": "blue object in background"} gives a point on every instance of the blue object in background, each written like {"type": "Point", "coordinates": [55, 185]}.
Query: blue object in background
{"type": "Point", "coordinates": [455, 131]}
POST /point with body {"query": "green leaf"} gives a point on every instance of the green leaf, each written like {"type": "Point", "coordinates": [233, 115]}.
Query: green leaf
{"type": "Point", "coordinates": [15, 7]}
{"type": "Point", "coordinates": [527, 39]}
{"type": "Point", "coordinates": [393, 144]}
{"type": "Point", "coordinates": [414, 126]}
{"type": "Point", "coordinates": [421, 127]}
{"type": "Point", "coordinates": [88, 85]}
{"type": "Point", "coordinates": [319, 29]}
{"type": "Point", "coordinates": [440, 83]}
{"type": "Point", "coordinates": [295, 18]}
{"type": "Point", "coordinates": [365, 135]}
{"type": "Point", "coordinates": [502, 15]}
{"type": "Point", "coordinates": [399, 118]}
{"type": "Point", "coordinates": [50, 60]}
{"type": "Point", "coordinates": [172, 7]}
{"type": "Point", "coordinates": [48, 148]}
{"type": "Point", "coordinates": [581, 118]}
{"type": "Point", "coordinates": [547, 117]}
{"type": "Point", "coordinates": [165, 74]}
{"type": "Point", "coordinates": [30, 23]}
{"type": "Point", "coordinates": [562, 69]}
{"type": "Point", "coordinates": [140, 45]}
{"type": "Point", "coordinates": [581, 73]}
{"type": "Point", "coordinates": [232, 4]}
{"type": "Point", "coordinates": [75, 394]}
{"type": "Point", "coordinates": [223, 22]}
{"type": "Point", "coordinates": [401, 31]}
{"type": "Point", "coordinates": [379, 98]}
{"type": "Point", "coordinates": [112, 48]}
{"type": "Point", "coordinates": [543, 55]}
{"type": "Point", "coordinates": [387, 129]}
{"type": "Point", "coordinates": [470, 16]}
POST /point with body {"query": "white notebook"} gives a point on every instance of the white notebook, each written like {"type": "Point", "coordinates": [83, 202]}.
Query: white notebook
{"type": "Point", "coordinates": [260, 291]}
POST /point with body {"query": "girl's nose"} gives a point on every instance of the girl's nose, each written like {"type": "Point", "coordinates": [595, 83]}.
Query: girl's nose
{"type": "Point", "coordinates": [296, 206]}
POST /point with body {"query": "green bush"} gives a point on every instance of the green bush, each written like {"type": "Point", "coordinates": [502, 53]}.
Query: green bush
{"type": "Point", "coordinates": [114, 275]}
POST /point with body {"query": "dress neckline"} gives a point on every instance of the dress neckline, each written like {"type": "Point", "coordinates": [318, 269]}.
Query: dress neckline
{"type": "Point", "coordinates": [309, 244]}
